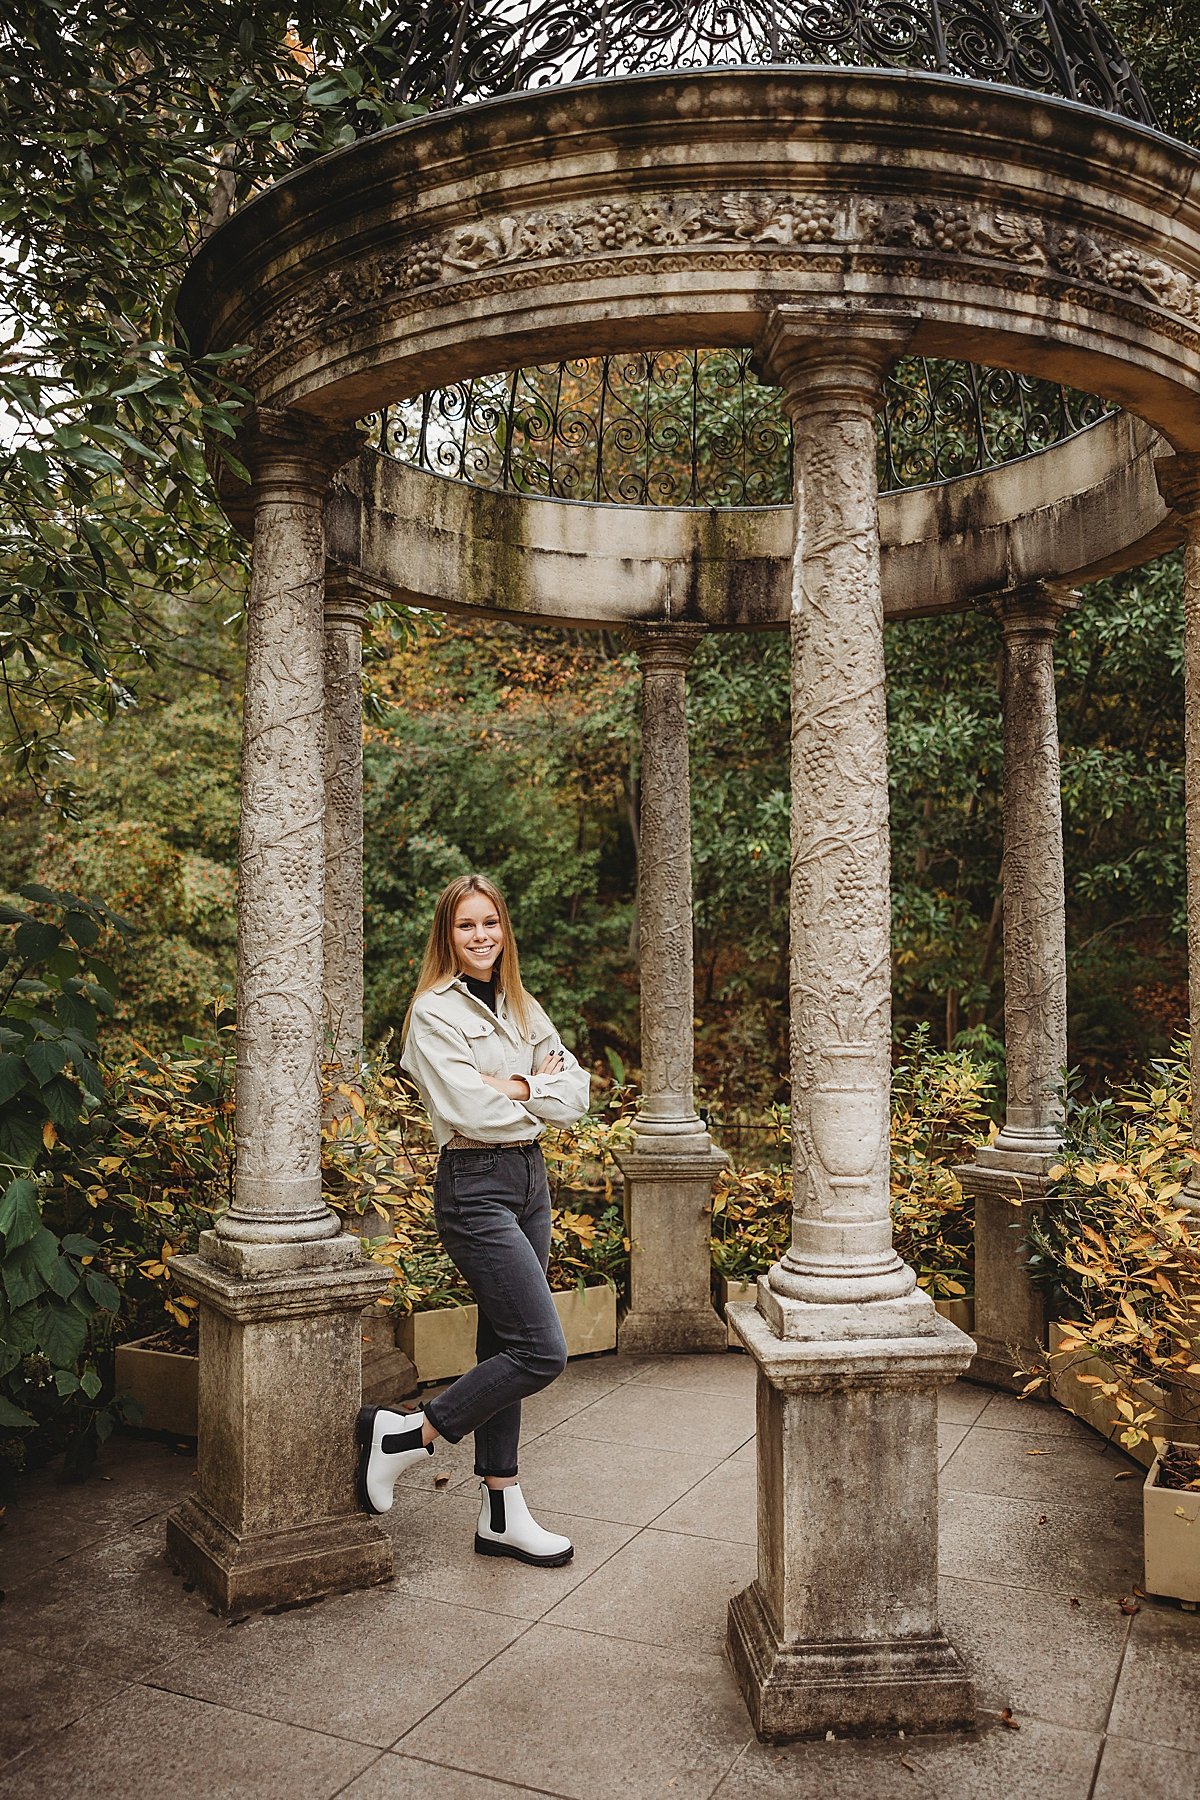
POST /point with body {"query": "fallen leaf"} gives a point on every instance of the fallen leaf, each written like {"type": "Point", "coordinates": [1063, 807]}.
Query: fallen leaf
{"type": "Point", "coordinates": [1042, 1517]}
{"type": "Point", "coordinates": [1037, 1453]}
{"type": "Point", "coordinates": [1129, 1605]}
{"type": "Point", "coordinates": [1006, 1718]}
{"type": "Point", "coordinates": [904, 1762]}
{"type": "Point", "coordinates": [440, 1480]}
{"type": "Point", "coordinates": [1125, 1475]}
{"type": "Point", "coordinates": [1075, 1600]}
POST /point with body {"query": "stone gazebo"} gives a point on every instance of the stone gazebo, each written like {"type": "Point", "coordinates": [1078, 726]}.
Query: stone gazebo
{"type": "Point", "coordinates": [708, 181]}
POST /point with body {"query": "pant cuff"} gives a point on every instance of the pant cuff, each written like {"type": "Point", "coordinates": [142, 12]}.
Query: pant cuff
{"type": "Point", "coordinates": [496, 1474]}
{"type": "Point", "coordinates": [451, 1437]}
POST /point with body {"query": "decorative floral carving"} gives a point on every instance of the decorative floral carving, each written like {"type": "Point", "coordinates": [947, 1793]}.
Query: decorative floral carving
{"type": "Point", "coordinates": [743, 229]}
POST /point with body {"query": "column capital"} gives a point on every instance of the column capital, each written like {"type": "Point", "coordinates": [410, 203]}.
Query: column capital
{"type": "Point", "coordinates": [1033, 609]}
{"type": "Point", "coordinates": [838, 352]}
{"type": "Point", "coordinates": [349, 595]}
{"type": "Point", "coordinates": [1178, 480]}
{"type": "Point", "coordinates": [660, 645]}
{"type": "Point", "coordinates": [289, 450]}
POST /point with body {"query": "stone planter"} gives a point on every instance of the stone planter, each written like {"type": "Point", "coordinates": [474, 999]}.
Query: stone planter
{"type": "Point", "coordinates": [442, 1343]}
{"type": "Point", "coordinates": [960, 1312]}
{"type": "Point", "coordinates": [162, 1382]}
{"type": "Point", "coordinates": [1171, 1524]}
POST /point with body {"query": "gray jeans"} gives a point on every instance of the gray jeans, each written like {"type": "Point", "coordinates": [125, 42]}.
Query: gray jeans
{"type": "Point", "coordinates": [493, 1214]}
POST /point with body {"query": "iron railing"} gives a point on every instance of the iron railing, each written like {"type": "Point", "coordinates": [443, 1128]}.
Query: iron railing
{"type": "Point", "coordinates": [696, 428]}
{"type": "Point", "coordinates": [454, 52]}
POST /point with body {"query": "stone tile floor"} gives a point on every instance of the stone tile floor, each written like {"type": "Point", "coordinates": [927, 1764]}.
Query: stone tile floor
{"type": "Point", "coordinates": [473, 1679]}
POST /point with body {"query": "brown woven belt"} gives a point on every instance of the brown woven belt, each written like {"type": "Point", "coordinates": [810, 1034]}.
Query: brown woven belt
{"type": "Point", "coordinates": [458, 1142]}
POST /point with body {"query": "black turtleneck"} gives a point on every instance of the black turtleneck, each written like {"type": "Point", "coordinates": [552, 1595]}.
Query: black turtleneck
{"type": "Point", "coordinates": [482, 990]}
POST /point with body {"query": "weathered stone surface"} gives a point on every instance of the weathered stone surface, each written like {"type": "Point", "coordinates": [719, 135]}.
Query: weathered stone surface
{"type": "Point", "coordinates": [345, 610]}
{"type": "Point", "coordinates": [830, 363]}
{"type": "Point", "coordinates": [668, 1210]}
{"type": "Point", "coordinates": [276, 1518]}
{"type": "Point", "coordinates": [1087, 507]}
{"type": "Point", "coordinates": [281, 859]}
{"type": "Point", "coordinates": [1010, 1312]}
{"type": "Point", "coordinates": [840, 1629]}
{"type": "Point", "coordinates": [681, 209]}
{"type": "Point", "coordinates": [1035, 927]}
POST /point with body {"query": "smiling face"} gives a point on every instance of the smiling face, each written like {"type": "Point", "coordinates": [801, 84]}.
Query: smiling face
{"type": "Point", "coordinates": [477, 935]}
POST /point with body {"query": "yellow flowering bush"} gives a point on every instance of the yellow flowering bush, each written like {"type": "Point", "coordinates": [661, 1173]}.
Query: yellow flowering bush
{"type": "Point", "coordinates": [1119, 1255]}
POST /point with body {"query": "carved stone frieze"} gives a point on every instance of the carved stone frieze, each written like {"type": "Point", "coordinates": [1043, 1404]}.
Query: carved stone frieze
{"type": "Point", "coordinates": [956, 238]}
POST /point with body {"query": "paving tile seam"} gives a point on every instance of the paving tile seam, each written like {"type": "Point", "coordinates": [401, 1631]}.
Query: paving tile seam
{"type": "Point", "coordinates": [520, 1787]}
{"type": "Point", "coordinates": [1112, 1697]}
{"type": "Point", "coordinates": [251, 1712]}
{"type": "Point", "coordinates": [459, 1686]}
{"type": "Point", "coordinates": [616, 1637]}
{"type": "Point", "coordinates": [44, 1737]}
{"type": "Point", "coordinates": [350, 1780]}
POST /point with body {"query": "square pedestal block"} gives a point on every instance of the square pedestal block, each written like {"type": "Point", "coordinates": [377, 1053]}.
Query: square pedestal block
{"type": "Point", "coordinates": [840, 1630]}
{"type": "Point", "coordinates": [276, 1518]}
{"type": "Point", "coordinates": [1010, 1312]}
{"type": "Point", "coordinates": [668, 1212]}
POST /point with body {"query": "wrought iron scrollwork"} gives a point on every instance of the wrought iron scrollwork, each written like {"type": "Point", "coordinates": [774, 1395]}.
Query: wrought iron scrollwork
{"type": "Point", "coordinates": [454, 52]}
{"type": "Point", "coordinates": [696, 428]}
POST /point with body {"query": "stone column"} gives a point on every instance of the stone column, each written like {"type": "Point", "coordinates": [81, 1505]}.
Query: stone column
{"type": "Point", "coordinates": [346, 603]}
{"type": "Point", "coordinates": [840, 1630]}
{"type": "Point", "coordinates": [281, 1288]}
{"type": "Point", "coordinates": [387, 1373]}
{"type": "Point", "coordinates": [669, 1175]}
{"type": "Point", "coordinates": [1179, 484]}
{"type": "Point", "coordinates": [1007, 1180]}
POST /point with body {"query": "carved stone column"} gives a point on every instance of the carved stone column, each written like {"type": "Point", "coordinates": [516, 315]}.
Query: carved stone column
{"type": "Point", "coordinates": [346, 603]}
{"type": "Point", "coordinates": [1179, 484]}
{"type": "Point", "coordinates": [1007, 1180]}
{"type": "Point", "coordinates": [387, 1372]}
{"type": "Point", "coordinates": [840, 1630]}
{"type": "Point", "coordinates": [669, 1175]}
{"type": "Point", "coordinates": [281, 1288]}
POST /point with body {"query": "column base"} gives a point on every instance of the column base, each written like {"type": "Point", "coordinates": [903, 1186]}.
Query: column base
{"type": "Point", "coordinates": [679, 1333]}
{"type": "Point", "coordinates": [854, 1689]}
{"type": "Point", "coordinates": [668, 1212]}
{"type": "Point", "coordinates": [240, 1574]}
{"type": "Point", "coordinates": [276, 1518]}
{"type": "Point", "coordinates": [1010, 1312]}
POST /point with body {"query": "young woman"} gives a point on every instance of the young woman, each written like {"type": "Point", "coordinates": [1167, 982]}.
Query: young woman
{"type": "Point", "coordinates": [492, 1072]}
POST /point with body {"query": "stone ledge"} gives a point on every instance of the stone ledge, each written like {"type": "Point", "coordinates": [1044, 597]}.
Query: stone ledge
{"type": "Point", "coordinates": [271, 1568]}
{"type": "Point", "coordinates": [290, 1294]}
{"type": "Point", "coordinates": [798, 1365]}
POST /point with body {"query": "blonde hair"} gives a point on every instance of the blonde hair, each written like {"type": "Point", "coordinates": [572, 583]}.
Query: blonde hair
{"type": "Point", "coordinates": [440, 961]}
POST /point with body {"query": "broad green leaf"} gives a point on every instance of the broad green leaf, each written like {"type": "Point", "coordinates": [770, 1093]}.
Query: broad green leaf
{"type": "Point", "coordinates": [20, 1214]}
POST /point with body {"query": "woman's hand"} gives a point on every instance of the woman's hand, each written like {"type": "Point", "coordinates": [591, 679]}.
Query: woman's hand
{"type": "Point", "coordinates": [550, 1065]}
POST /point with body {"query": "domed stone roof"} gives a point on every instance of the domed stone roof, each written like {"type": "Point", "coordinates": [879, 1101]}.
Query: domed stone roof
{"type": "Point", "coordinates": [456, 52]}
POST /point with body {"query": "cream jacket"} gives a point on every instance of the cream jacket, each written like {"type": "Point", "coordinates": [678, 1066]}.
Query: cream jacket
{"type": "Point", "coordinates": [454, 1040]}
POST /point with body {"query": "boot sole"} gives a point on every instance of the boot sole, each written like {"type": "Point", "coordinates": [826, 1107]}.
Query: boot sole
{"type": "Point", "coordinates": [364, 1432]}
{"type": "Point", "coordinates": [485, 1547]}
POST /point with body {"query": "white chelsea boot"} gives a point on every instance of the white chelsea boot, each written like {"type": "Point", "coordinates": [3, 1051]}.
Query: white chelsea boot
{"type": "Point", "coordinates": [388, 1443]}
{"type": "Point", "coordinates": [505, 1528]}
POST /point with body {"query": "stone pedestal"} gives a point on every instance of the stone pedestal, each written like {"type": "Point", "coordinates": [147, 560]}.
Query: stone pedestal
{"type": "Point", "coordinates": [668, 1212]}
{"type": "Point", "coordinates": [669, 1174]}
{"type": "Point", "coordinates": [840, 1629]}
{"type": "Point", "coordinates": [1010, 1313]}
{"type": "Point", "coordinates": [275, 1519]}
